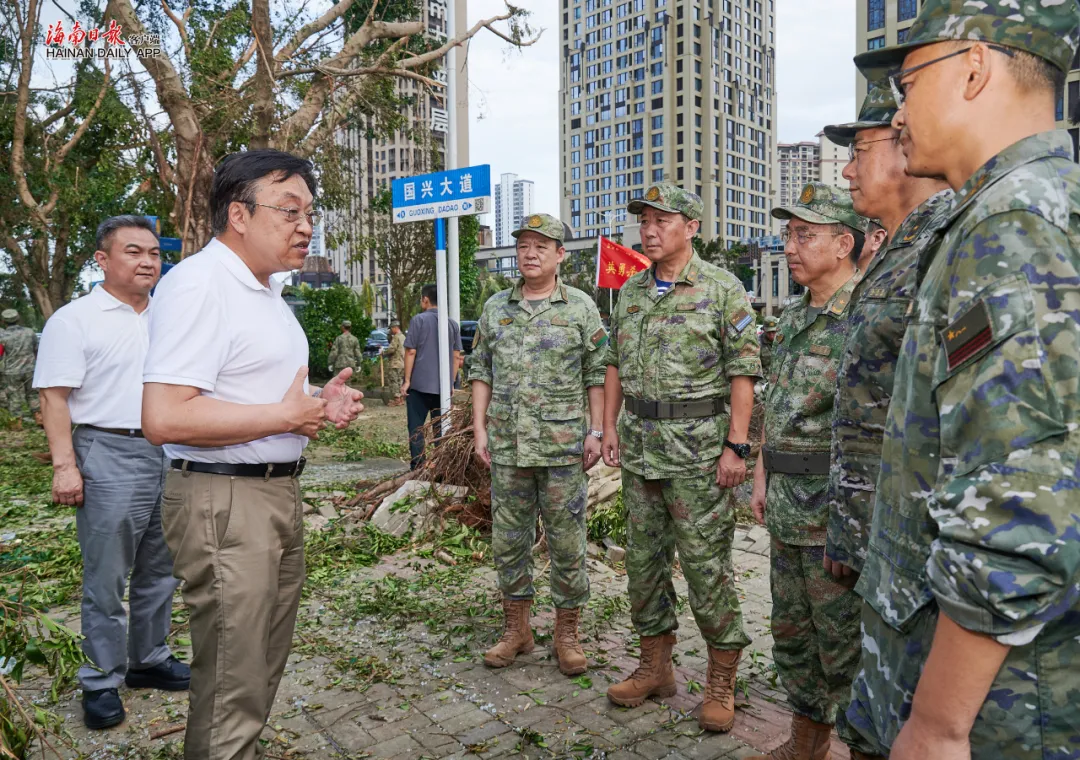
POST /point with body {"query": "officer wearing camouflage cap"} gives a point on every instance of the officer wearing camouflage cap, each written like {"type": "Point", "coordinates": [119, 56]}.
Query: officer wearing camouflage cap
{"type": "Point", "coordinates": [539, 352]}
{"type": "Point", "coordinates": [971, 631]}
{"type": "Point", "coordinates": [684, 344]}
{"type": "Point", "coordinates": [17, 368]}
{"type": "Point", "coordinates": [816, 663]}
{"type": "Point", "coordinates": [346, 351]}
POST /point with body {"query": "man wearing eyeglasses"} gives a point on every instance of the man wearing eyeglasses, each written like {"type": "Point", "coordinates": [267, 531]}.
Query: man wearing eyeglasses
{"type": "Point", "coordinates": [815, 618]}
{"type": "Point", "coordinates": [226, 391]}
{"type": "Point", "coordinates": [972, 623]}
{"type": "Point", "coordinates": [910, 209]}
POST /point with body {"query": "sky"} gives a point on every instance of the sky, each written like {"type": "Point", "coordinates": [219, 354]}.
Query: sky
{"type": "Point", "coordinates": [513, 96]}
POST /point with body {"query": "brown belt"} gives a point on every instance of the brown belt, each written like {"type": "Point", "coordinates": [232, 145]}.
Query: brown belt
{"type": "Point", "coordinates": [793, 463]}
{"type": "Point", "coordinates": [674, 410]}
{"type": "Point", "coordinates": [126, 432]}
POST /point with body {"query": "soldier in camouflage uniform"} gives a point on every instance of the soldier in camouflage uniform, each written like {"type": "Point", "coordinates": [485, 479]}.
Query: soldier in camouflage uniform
{"type": "Point", "coordinates": [394, 356]}
{"type": "Point", "coordinates": [540, 352]}
{"type": "Point", "coordinates": [910, 209]}
{"type": "Point", "coordinates": [972, 622]}
{"type": "Point", "coordinates": [815, 618]}
{"type": "Point", "coordinates": [17, 368]}
{"type": "Point", "coordinates": [768, 338]}
{"type": "Point", "coordinates": [346, 351]}
{"type": "Point", "coordinates": [683, 342]}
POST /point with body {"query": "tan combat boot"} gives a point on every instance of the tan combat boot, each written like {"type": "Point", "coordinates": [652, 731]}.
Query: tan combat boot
{"type": "Point", "coordinates": [568, 651]}
{"type": "Point", "coordinates": [653, 677]}
{"type": "Point", "coordinates": [517, 635]}
{"type": "Point", "coordinates": [808, 741]}
{"type": "Point", "coordinates": [718, 708]}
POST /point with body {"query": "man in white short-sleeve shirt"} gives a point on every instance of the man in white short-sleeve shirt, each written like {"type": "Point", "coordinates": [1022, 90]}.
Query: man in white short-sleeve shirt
{"type": "Point", "coordinates": [89, 373]}
{"type": "Point", "coordinates": [226, 393]}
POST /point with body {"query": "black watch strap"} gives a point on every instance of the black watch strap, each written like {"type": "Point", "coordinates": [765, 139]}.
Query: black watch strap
{"type": "Point", "coordinates": [742, 449]}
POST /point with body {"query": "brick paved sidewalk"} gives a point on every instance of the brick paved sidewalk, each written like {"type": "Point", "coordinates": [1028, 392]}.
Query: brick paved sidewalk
{"type": "Point", "coordinates": [384, 688]}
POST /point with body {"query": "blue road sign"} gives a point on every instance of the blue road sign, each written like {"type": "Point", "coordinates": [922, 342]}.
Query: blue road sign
{"type": "Point", "coordinates": [457, 192]}
{"type": "Point", "coordinates": [170, 244]}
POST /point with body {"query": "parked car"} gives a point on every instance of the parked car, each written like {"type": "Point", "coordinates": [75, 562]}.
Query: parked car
{"type": "Point", "coordinates": [376, 342]}
{"type": "Point", "coordinates": [468, 335]}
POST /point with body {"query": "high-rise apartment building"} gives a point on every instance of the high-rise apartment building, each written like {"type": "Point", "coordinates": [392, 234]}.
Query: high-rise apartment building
{"type": "Point", "coordinates": [679, 91]}
{"type": "Point", "coordinates": [799, 163]}
{"type": "Point", "coordinates": [513, 202]}
{"type": "Point", "coordinates": [881, 23]}
{"type": "Point", "coordinates": [831, 162]}
{"type": "Point", "coordinates": [375, 161]}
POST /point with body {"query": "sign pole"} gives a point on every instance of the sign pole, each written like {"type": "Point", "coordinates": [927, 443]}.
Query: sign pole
{"type": "Point", "coordinates": [454, 302]}
{"type": "Point", "coordinates": [444, 324]}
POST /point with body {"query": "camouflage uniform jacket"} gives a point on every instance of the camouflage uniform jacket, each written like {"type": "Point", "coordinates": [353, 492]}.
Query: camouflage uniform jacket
{"type": "Point", "coordinates": [799, 411]}
{"type": "Point", "coordinates": [682, 346]}
{"type": "Point", "coordinates": [20, 348]}
{"type": "Point", "coordinates": [980, 475]}
{"type": "Point", "coordinates": [865, 383]}
{"type": "Point", "coordinates": [766, 356]}
{"type": "Point", "coordinates": [539, 362]}
{"type": "Point", "coordinates": [345, 352]}
{"type": "Point", "coordinates": [394, 354]}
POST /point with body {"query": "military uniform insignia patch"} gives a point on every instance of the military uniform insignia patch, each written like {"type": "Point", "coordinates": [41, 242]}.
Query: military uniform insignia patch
{"type": "Point", "coordinates": [599, 338]}
{"type": "Point", "coordinates": [779, 337]}
{"type": "Point", "coordinates": [740, 320]}
{"type": "Point", "coordinates": [506, 321]}
{"type": "Point", "coordinates": [807, 195]}
{"type": "Point", "coordinates": [536, 221]}
{"type": "Point", "coordinates": [653, 194]}
{"type": "Point", "coordinates": [820, 350]}
{"type": "Point", "coordinates": [877, 293]}
{"type": "Point", "coordinates": [686, 307]}
{"type": "Point", "coordinates": [839, 305]}
{"type": "Point", "coordinates": [559, 322]}
{"type": "Point", "coordinates": [633, 309]}
{"type": "Point", "coordinates": [966, 336]}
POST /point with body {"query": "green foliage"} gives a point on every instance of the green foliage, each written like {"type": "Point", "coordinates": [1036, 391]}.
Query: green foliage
{"type": "Point", "coordinates": [469, 279]}
{"type": "Point", "coordinates": [355, 445]}
{"type": "Point", "coordinates": [716, 253]}
{"type": "Point", "coordinates": [332, 554]}
{"type": "Point", "coordinates": [608, 520]}
{"type": "Point", "coordinates": [321, 317]}
{"type": "Point", "coordinates": [490, 284]}
{"type": "Point", "coordinates": [367, 298]}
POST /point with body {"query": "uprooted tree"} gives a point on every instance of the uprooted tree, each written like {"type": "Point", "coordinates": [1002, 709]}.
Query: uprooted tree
{"type": "Point", "coordinates": [231, 76]}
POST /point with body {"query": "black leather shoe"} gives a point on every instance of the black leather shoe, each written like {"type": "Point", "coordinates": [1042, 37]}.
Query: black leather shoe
{"type": "Point", "coordinates": [170, 675]}
{"type": "Point", "coordinates": [102, 708]}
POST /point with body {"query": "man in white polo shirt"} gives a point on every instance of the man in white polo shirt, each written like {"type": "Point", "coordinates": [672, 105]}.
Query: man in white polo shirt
{"type": "Point", "coordinates": [226, 392]}
{"type": "Point", "coordinates": [89, 373]}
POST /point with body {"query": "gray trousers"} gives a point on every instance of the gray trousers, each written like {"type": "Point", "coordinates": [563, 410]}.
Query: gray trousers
{"type": "Point", "coordinates": [120, 535]}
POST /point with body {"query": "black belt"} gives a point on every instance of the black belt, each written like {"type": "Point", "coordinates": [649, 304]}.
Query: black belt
{"type": "Point", "coordinates": [126, 432]}
{"type": "Point", "coordinates": [673, 410]}
{"type": "Point", "coordinates": [793, 463]}
{"type": "Point", "coordinates": [284, 470]}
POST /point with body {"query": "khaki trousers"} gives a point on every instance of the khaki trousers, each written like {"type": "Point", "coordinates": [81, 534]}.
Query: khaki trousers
{"type": "Point", "coordinates": [238, 546]}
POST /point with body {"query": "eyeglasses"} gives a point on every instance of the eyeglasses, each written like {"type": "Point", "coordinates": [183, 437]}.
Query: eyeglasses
{"type": "Point", "coordinates": [854, 149]}
{"type": "Point", "coordinates": [899, 89]}
{"type": "Point", "coordinates": [804, 236]}
{"type": "Point", "coordinates": [292, 215]}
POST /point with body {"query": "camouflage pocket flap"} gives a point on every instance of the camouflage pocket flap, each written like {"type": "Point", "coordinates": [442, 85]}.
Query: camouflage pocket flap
{"type": "Point", "coordinates": [498, 411]}
{"type": "Point", "coordinates": [561, 412]}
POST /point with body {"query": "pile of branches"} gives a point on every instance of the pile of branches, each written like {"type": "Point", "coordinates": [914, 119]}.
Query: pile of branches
{"type": "Point", "coordinates": [448, 460]}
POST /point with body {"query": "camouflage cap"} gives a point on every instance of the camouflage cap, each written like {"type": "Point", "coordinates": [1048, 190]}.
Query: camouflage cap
{"type": "Point", "coordinates": [346, 323]}
{"type": "Point", "coordinates": [877, 110]}
{"type": "Point", "coordinates": [1049, 29]}
{"type": "Point", "coordinates": [770, 324]}
{"type": "Point", "coordinates": [670, 198]}
{"type": "Point", "coordinates": [544, 224]}
{"type": "Point", "coordinates": [395, 323]}
{"type": "Point", "coordinates": [824, 204]}
{"type": "Point", "coordinates": [9, 315]}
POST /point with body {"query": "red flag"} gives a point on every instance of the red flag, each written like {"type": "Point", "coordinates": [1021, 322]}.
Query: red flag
{"type": "Point", "coordinates": [615, 264]}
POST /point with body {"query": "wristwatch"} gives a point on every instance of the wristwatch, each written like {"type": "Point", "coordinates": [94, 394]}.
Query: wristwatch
{"type": "Point", "coordinates": [597, 434]}
{"type": "Point", "coordinates": [741, 449]}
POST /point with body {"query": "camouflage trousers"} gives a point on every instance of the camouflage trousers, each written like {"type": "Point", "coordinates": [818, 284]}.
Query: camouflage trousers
{"type": "Point", "coordinates": [559, 494]}
{"type": "Point", "coordinates": [17, 390]}
{"type": "Point", "coordinates": [695, 516]}
{"type": "Point", "coordinates": [815, 627]}
{"type": "Point", "coordinates": [394, 380]}
{"type": "Point", "coordinates": [1030, 711]}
